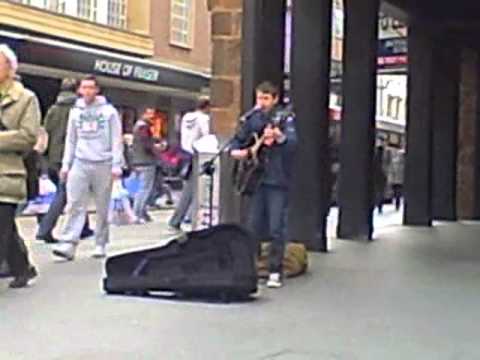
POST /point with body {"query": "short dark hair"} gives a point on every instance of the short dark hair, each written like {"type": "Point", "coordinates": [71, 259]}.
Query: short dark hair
{"type": "Point", "coordinates": [69, 84]}
{"type": "Point", "coordinates": [89, 78]}
{"type": "Point", "coordinates": [267, 87]}
{"type": "Point", "coordinates": [203, 103]}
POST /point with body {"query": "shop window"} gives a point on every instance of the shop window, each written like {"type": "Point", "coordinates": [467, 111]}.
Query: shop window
{"type": "Point", "coordinates": [181, 23]}
{"type": "Point", "coordinates": [62, 6]}
{"type": "Point", "coordinates": [44, 4]}
{"type": "Point", "coordinates": [59, 6]}
{"type": "Point", "coordinates": [25, 2]}
{"type": "Point", "coordinates": [394, 106]}
{"type": "Point", "coordinates": [87, 9]}
{"type": "Point", "coordinates": [398, 109]}
{"type": "Point", "coordinates": [117, 13]}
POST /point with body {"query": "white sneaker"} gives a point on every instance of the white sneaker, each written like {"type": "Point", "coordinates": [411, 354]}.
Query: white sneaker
{"type": "Point", "coordinates": [274, 281]}
{"type": "Point", "coordinates": [173, 230]}
{"type": "Point", "coordinates": [140, 221]}
{"type": "Point", "coordinates": [100, 252]}
{"type": "Point", "coordinates": [65, 250]}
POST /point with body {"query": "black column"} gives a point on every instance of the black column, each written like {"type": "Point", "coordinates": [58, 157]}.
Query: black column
{"type": "Point", "coordinates": [272, 48]}
{"type": "Point", "coordinates": [418, 169]}
{"type": "Point", "coordinates": [358, 120]}
{"type": "Point", "coordinates": [251, 39]}
{"type": "Point", "coordinates": [263, 46]}
{"type": "Point", "coordinates": [311, 47]}
{"type": "Point", "coordinates": [445, 132]}
{"type": "Point", "coordinates": [476, 189]}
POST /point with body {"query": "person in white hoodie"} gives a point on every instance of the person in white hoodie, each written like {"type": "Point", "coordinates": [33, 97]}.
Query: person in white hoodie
{"type": "Point", "coordinates": [93, 158]}
{"type": "Point", "coordinates": [194, 126]}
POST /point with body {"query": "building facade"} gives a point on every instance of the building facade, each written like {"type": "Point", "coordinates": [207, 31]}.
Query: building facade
{"type": "Point", "coordinates": [122, 42]}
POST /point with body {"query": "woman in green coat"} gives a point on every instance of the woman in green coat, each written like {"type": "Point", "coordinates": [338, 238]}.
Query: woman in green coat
{"type": "Point", "coordinates": [19, 126]}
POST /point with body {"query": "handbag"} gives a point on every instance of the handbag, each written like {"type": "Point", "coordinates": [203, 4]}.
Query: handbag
{"type": "Point", "coordinates": [120, 212]}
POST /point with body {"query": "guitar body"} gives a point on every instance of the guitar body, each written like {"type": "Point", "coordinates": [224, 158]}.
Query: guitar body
{"type": "Point", "coordinates": [249, 176]}
{"type": "Point", "coordinates": [249, 173]}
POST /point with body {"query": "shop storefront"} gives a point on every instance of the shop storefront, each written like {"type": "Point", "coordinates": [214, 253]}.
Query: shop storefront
{"type": "Point", "coordinates": [130, 83]}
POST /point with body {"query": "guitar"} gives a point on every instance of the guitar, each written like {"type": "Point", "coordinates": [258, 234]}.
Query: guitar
{"type": "Point", "coordinates": [249, 172]}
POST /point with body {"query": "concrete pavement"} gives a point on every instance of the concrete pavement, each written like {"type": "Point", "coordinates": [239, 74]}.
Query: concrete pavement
{"type": "Point", "coordinates": [411, 294]}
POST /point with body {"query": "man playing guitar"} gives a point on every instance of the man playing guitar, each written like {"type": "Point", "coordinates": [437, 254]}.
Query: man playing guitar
{"type": "Point", "coordinates": [273, 128]}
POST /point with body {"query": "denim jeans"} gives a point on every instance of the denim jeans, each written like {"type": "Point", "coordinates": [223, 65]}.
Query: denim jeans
{"type": "Point", "coordinates": [146, 176]}
{"type": "Point", "coordinates": [267, 220]}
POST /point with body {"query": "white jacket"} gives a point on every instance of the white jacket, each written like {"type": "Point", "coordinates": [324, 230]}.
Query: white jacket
{"type": "Point", "coordinates": [195, 125]}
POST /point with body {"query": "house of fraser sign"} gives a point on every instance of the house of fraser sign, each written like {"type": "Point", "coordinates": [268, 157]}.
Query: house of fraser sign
{"type": "Point", "coordinates": [126, 70]}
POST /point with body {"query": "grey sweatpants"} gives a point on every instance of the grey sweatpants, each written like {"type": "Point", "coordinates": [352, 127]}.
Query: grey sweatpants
{"type": "Point", "coordinates": [83, 178]}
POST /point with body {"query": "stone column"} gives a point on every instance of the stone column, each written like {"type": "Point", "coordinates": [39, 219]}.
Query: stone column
{"type": "Point", "coordinates": [226, 91]}
{"type": "Point", "coordinates": [418, 169]}
{"type": "Point", "coordinates": [358, 120]}
{"type": "Point", "coordinates": [226, 67]}
{"type": "Point", "coordinates": [445, 132]}
{"type": "Point", "coordinates": [311, 48]}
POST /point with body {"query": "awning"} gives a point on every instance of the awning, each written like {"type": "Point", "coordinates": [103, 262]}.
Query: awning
{"type": "Point", "coordinates": [37, 53]}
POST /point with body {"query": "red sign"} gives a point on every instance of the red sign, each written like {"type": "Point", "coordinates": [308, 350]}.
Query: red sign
{"type": "Point", "coordinates": [393, 60]}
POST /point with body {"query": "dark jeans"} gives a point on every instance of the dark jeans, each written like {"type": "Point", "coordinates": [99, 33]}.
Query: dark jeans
{"type": "Point", "coordinates": [159, 188]}
{"type": "Point", "coordinates": [397, 194]}
{"type": "Point", "coordinates": [267, 220]}
{"type": "Point", "coordinates": [49, 220]}
{"type": "Point", "coordinates": [184, 203]}
{"type": "Point", "coordinates": [12, 247]}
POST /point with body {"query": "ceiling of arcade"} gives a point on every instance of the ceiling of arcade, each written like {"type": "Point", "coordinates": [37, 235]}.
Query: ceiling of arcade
{"type": "Point", "coordinates": [442, 10]}
{"type": "Point", "coordinates": [459, 19]}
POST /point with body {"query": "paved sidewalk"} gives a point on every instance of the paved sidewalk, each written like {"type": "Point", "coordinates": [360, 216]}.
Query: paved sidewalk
{"type": "Point", "coordinates": [412, 294]}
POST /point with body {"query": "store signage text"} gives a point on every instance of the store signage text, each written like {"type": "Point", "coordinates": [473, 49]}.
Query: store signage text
{"type": "Point", "coordinates": [125, 70]}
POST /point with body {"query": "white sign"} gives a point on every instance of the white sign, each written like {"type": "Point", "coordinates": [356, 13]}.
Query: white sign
{"type": "Point", "coordinates": [125, 70]}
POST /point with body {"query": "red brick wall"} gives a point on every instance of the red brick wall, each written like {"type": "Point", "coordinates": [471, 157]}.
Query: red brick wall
{"type": "Point", "coordinates": [199, 57]}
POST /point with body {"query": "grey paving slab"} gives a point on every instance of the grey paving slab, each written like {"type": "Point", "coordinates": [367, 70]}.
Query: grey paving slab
{"type": "Point", "coordinates": [411, 294]}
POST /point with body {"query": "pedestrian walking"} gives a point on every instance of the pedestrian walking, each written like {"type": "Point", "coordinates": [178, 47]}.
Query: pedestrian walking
{"type": "Point", "coordinates": [380, 178]}
{"type": "Point", "coordinates": [55, 124]}
{"type": "Point", "coordinates": [93, 158]}
{"type": "Point", "coordinates": [194, 126]}
{"type": "Point", "coordinates": [19, 126]}
{"type": "Point", "coordinates": [396, 171]}
{"type": "Point", "coordinates": [144, 161]}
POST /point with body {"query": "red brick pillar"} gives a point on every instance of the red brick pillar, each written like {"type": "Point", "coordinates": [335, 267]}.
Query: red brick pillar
{"type": "Point", "coordinates": [226, 92]}
{"type": "Point", "coordinates": [226, 67]}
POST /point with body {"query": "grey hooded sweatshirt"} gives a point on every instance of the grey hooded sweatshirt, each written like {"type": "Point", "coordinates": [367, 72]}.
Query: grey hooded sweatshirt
{"type": "Point", "coordinates": [94, 134]}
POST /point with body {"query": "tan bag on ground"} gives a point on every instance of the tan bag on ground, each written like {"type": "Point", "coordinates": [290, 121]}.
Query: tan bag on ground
{"type": "Point", "coordinates": [295, 260]}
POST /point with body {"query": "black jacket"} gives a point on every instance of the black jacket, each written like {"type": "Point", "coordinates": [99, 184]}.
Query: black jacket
{"type": "Point", "coordinates": [55, 124]}
{"type": "Point", "coordinates": [278, 159]}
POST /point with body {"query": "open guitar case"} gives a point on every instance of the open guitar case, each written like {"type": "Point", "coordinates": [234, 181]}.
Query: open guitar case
{"type": "Point", "coordinates": [215, 263]}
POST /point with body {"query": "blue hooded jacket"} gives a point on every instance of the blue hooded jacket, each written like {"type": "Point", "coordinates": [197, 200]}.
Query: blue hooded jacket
{"type": "Point", "coordinates": [278, 159]}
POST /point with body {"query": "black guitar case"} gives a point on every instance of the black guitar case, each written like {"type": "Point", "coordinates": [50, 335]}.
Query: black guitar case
{"type": "Point", "coordinates": [213, 263]}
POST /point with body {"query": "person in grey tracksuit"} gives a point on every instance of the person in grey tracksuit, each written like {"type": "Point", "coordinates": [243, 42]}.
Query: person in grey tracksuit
{"type": "Point", "coordinates": [92, 159]}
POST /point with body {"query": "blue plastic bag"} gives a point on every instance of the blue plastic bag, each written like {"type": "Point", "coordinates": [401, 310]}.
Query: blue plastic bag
{"type": "Point", "coordinates": [132, 184]}
{"type": "Point", "coordinates": [120, 212]}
